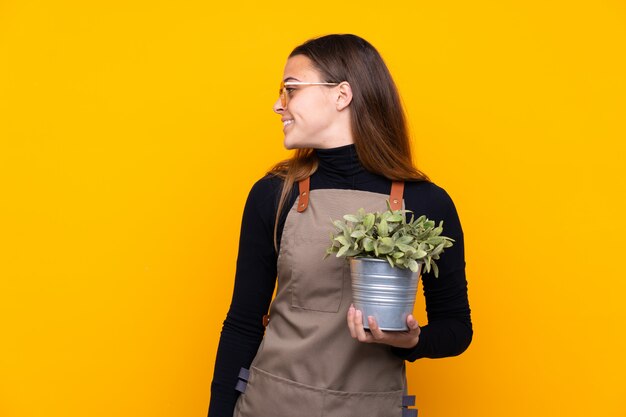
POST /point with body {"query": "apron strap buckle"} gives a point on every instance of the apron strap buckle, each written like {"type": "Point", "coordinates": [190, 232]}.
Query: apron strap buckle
{"type": "Point", "coordinates": [242, 382]}
{"type": "Point", "coordinates": [408, 401]}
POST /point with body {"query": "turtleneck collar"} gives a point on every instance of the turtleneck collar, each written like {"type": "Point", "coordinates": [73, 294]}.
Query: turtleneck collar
{"type": "Point", "coordinates": [342, 165]}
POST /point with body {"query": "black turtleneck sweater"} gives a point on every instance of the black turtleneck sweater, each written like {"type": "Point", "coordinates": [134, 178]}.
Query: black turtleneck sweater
{"type": "Point", "coordinates": [449, 328]}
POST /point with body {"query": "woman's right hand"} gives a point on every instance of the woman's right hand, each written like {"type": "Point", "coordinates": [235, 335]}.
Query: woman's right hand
{"type": "Point", "coordinates": [407, 339]}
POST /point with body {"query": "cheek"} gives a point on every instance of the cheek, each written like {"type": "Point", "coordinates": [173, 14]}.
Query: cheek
{"type": "Point", "coordinates": [311, 113]}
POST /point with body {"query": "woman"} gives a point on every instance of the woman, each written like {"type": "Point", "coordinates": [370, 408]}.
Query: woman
{"type": "Point", "coordinates": [342, 114]}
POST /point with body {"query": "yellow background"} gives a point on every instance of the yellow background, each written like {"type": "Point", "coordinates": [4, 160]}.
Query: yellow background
{"type": "Point", "coordinates": [131, 133]}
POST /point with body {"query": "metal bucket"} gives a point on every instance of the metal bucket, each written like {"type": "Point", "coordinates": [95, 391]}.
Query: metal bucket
{"type": "Point", "coordinates": [384, 292]}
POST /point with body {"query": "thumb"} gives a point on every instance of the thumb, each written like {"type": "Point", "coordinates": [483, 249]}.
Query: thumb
{"type": "Point", "coordinates": [412, 323]}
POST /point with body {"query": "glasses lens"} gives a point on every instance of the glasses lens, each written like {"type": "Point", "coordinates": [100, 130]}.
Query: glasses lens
{"type": "Point", "coordinates": [282, 94]}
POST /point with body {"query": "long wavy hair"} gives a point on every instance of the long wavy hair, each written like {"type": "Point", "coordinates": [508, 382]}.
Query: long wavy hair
{"type": "Point", "coordinates": [378, 122]}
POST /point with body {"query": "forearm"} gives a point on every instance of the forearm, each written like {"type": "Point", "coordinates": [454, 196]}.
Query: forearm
{"type": "Point", "coordinates": [238, 344]}
{"type": "Point", "coordinates": [444, 338]}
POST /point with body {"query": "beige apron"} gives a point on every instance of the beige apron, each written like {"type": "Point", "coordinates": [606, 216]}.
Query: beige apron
{"type": "Point", "coordinates": [307, 364]}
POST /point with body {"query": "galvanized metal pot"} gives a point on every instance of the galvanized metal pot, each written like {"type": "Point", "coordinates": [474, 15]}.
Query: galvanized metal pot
{"type": "Point", "coordinates": [384, 292]}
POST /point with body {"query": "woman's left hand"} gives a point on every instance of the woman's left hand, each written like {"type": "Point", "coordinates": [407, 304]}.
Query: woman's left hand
{"type": "Point", "coordinates": [406, 339]}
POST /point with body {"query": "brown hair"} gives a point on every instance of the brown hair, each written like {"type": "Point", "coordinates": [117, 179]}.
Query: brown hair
{"type": "Point", "coordinates": [378, 123]}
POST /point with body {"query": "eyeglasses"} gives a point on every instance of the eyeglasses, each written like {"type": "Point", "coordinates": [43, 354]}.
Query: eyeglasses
{"type": "Point", "coordinates": [284, 86]}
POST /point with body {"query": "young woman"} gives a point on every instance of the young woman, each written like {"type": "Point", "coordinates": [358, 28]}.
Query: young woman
{"type": "Point", "coordinates": [342, 114]}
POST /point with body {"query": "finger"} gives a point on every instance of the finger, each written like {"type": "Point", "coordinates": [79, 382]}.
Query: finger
{"type": "Point", "coordinates": [377, 334]}
{"type": "Point", "coordinates": [360, 330]}
{"type": "Point", "coordinates": [351, 314]}
{"type": "Point", "coordinates": [413, 325]}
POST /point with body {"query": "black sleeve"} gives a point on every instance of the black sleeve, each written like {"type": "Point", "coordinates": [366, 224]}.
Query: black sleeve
{"type": "Point", "coordinates": [449, 329]}
{"type": "Point", "coordinates": [255, 279]}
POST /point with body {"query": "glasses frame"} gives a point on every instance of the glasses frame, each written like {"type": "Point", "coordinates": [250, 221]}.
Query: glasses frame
{"type": "Point", "coordinates": [282, 92]}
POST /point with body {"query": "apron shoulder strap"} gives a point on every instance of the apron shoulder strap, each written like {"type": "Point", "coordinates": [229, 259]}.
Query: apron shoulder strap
{"type": "Point", "coordinates": [395, 197]}
{"type": "Point", "coordinates": [303, 197]}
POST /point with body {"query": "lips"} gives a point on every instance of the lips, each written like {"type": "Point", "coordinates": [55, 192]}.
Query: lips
{"type": "Point", "coordinates": [287, 122]}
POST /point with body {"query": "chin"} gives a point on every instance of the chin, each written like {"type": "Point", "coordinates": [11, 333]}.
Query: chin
{"type": "Point", "coordinates": [290, 144]}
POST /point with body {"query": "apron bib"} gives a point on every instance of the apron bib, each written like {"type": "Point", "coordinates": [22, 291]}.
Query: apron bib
{"type": "Point", "coordinates": [307, 364]}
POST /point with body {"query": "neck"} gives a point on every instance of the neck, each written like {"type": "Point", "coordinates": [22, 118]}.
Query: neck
{"type": "Point", "coordinates": [340, 164]}
{"type": "Point", "coordinates": [336, 143]}
{"type": "Point", "coordinates": [339, 133]}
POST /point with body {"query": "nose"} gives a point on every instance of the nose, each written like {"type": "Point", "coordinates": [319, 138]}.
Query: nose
{"type": "Point", "coordinates": [278, 107]}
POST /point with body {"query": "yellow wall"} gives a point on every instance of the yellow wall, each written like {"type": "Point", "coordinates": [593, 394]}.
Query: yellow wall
{"type": "Point", "coordinates": [131, 132]}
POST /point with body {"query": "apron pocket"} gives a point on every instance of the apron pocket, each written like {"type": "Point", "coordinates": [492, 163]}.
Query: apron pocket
{"type": "Point", "coordinates": [318, 284]}
{"type": "Point", "coordinates": [268, 395]}
{"type": "Point", "coordinates": [357, 404]}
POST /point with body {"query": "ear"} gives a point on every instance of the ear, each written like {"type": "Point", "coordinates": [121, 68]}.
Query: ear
{"type": "Point", "coordinates": [344, 95]}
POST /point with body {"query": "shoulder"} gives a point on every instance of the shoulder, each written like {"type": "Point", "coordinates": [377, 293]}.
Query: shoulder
{"type": "Point", "coordinates": [426, 188]}
{"type": "Point", "coordinates": [265, 194]}
{"type": "Point", "coordinates": [268, 185]}
{"type": "Point", "coordinates": [261, 204]}
{"type": "Point", "coordinates": [428, 198]}
{"type": "Point", "coordinates": [431, 200]}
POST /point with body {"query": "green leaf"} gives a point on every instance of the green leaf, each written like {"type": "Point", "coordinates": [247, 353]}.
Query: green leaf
{"type": "Point", "coordinates": [351, 218]}
{"type": "Point", "coordinates": [395, 218]}
{"type": "Point", "coordinates": [403, 247]}
{"type": "Point", "coordinates": [435, 270]}
{"type": "Point", "coordinates": [405, 240]}
{"type": "Point", "coordinates": [342, 251]}
{"type": "Point", "coordinates": [368, 221]}
{"type": "Point", "coordinates": [343, 240]}
{"type": "Point", "coordinates": [368, 244]}
{"type": "Point", "coordinates": [413, 266]}
{"type": "Point", "coordinates": [437, 250]}
{"type": "Point", "coordinates": [420, 254]}
{"type": "Point", "coordinates": [358, 234]}
{"type": "Point", "coordinates": [340, 225]}
{"type": "Point", "coordinates": [386, 245]}
{"type": "Point", "coordinates": [383, 228]}
{"type": "Point", "coordinates": [435, 240]}
{"type": "Point", "coordinates": [390, 260]}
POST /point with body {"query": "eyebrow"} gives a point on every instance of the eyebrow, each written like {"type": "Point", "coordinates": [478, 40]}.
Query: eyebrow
{"type": "Point", "coordinates": [290, 79]}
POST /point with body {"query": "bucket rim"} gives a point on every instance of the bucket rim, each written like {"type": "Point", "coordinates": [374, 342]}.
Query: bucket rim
{"type": "Point", "coordinates": [367, 259]}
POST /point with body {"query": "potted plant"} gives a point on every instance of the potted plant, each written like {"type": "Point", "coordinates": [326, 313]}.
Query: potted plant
{"type": "Point", "coordinates": [387, 254]}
